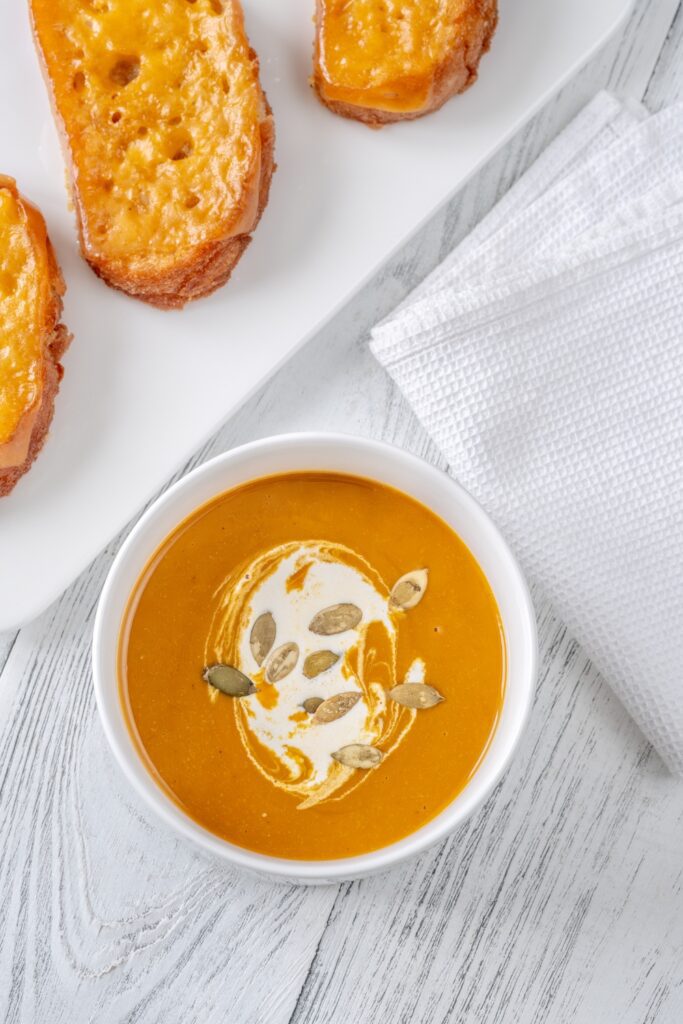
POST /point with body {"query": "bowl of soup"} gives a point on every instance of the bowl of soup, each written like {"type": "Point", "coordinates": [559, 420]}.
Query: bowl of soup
{"type": "Point", "coordinates": [314, 656]}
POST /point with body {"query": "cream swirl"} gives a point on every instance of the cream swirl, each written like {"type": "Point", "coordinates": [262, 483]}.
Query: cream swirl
{"type": "Point", "coordinates": [294, 582]}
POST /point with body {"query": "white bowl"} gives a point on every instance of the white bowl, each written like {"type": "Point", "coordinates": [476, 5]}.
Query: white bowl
{"type": "Point", "coordinates": [361, 457]}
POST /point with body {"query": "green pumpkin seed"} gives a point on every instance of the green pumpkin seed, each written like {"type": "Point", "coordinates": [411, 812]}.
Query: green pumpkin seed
{"type": "Point", "coordinates": [415, 695]}
{"type": "Point", "coordinates": [229, 680]}
{"type": "Point", "coordinates": [262, 637]}
{"type": "Point", "coordinates": [336, 619]}
{"type": "Point", "coordinates": [334, 707]}
{"type": "Point", "coordinates": [281, 662]}
{"type": "Point", "coordinates": [358, 755]}
{"type": "Point", "coordinates": [409, 589]}
{"type": "Point", "coordinates": [319, 661]}
{"type": "Point", "coordinates": [311, 704]}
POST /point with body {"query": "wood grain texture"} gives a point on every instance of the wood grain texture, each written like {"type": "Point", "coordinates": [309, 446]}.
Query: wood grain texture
{"type": "Point", "coordinates": [666, 83]}
{"type": "Point", "coordinates": [561, 901]}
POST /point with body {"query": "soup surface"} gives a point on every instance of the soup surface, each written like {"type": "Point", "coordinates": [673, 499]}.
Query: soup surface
{"type": "Point", "coordinates": [312, 665]}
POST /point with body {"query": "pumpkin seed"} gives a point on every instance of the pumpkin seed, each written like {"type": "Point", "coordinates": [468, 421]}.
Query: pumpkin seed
{"type": "Point", "coordinates": [334, 707]}
{"type": "Point", "coordinates": [336, 619]}
{"type": "Point", "coordinates": [281, 662]}
{"type": "Point", "coordinates": [311, 704]}
{"type": "Point", "coordinates": [416, 695]}
{"type": "Point", "coordinates": [409, 589]}
{"type": "Point", "coordinates": [229, 680]}
{"type": "Point", "coordinates": [319, 661]}
{"type": "Point", "coordinates": [262, 637]}
{"type": "Point", "coordinates": [358, 755]}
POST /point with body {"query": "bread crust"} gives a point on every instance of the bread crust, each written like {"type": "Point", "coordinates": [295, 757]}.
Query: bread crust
{"type": "Point", "coordinates": [210, 265]}
{"type": "Point", "coordinates": [456, 73]}
{"type": "Point", "coordinates": [56, 341]}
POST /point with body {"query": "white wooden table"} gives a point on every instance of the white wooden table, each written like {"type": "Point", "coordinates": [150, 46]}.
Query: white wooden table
{"type": "Point", "coordinates": [562, 900]}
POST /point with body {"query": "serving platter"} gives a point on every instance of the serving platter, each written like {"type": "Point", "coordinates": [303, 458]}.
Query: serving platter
{"type": "Point", "coordinates": [143, 389]}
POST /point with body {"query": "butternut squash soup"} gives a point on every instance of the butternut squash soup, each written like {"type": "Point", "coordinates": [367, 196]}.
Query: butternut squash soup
{"type": "Point", "coordinates": [312, 665]}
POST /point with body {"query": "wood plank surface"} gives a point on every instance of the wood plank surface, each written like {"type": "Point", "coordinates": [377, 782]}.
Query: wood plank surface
{"type": "Point", "coordinates": [560, 901]}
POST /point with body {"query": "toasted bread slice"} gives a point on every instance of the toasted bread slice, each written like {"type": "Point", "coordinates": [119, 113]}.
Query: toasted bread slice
{"type": "Point", "coordinates": [31, 338]}
{"type": "Point", "coordinates": [169, 137]}
{"type": "Point", "coordinates": [380, 61]}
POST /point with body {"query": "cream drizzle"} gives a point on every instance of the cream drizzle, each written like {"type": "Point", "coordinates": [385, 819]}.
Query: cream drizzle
{"type": "Point", "coordinates": [280, 739]}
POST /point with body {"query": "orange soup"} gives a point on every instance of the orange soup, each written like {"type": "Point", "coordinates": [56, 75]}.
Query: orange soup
{"type": "Point", "coordinates": [312, 665]}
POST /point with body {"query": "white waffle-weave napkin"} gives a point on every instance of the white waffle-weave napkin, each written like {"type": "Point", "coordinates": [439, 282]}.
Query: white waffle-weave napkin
{"type": "Point", "coordinates": [545, 357]}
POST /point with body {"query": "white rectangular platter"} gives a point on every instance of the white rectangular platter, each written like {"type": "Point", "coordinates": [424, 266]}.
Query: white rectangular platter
{"type": "Point", "coordinates": [143, 389]}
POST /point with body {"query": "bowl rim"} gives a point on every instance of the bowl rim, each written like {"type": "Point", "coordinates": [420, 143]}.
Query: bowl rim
{"type": "Point", "coordinates": [433, 831]}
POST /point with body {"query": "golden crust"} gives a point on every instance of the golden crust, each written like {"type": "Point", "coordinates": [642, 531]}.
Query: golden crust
{"type": "Point", "coordinates": [210, 264]}
{"type": "Point", "coordinates": [56, 339]}
{"type": "Point", "coordinates": [457, 72]}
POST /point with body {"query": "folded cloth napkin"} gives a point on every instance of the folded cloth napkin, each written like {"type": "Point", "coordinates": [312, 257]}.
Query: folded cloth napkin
{"type": "Point", "coordinates": [545, 357]}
